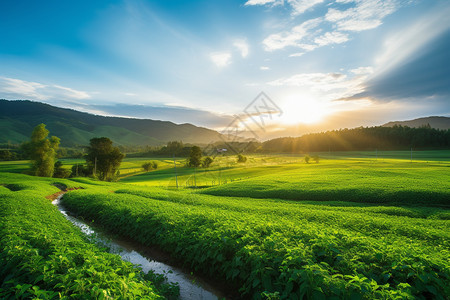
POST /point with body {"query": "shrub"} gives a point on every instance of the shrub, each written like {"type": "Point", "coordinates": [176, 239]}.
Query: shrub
{"type": "Point", "coordinates": [207, 162]}
{"type": "Point", "coordinates": [241, 158]}
{"type": "Point", "coordinates": [150, 165]}
{"type": "Point", "coordinates": [307, 159]}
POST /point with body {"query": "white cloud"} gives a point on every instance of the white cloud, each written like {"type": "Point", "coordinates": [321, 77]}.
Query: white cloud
{"type": "Point", "coordinates": [21, 88]}
{"type": "Point", "coordinates": [362, 71]}
{"type": "Point", "coordinates": [305, 36]}
{"type": "Point", "coordinates": [328, 38]}
{"type": "Point", "coordinates": [291, 38]}
{"type": "Point", "coordinates": [13, 88]}
{"type": "Point", "coordinates": [264, 68]}
{"type": "Point", "coordinates": [260, 2]}
{"type": "Point", "coordinates": [366, 14]}
{"type": "Point", "coordinates": [332, 85]}
{"type": "Point", "coordinates": [318, 81]}
{"type": "Point", "coordinates": [221, 59]}
{"type": "Point", "coordinates": [359, 15]}
{"type": "Point", "coordinates": [69, 93]}
{"type": "Point", "coordinates": [298, 54]}
{"type": "Point", "coordinates": [300, 6]}
{"type": "Point", "coordinates": [242, 46]}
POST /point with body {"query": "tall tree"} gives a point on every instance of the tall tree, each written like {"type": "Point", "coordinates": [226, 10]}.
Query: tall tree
{"type": "Point", "coordinates": [42, 151]}
{"type": "Point", "coordinates": [195, 158]}
{"type": "Point", "coordinates": [103, 158]}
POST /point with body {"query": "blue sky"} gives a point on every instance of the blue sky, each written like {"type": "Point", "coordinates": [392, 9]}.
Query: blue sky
{"type": "Point", "coordinates": [326, 64]}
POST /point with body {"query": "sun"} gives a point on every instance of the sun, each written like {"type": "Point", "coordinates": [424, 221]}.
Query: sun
{"type": "Point", "coordinates": [306, 111]}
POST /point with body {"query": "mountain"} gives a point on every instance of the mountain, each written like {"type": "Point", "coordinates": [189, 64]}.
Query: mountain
{"type": "Point", "coordinates": [19, 117]}
{"type": "Point", "coordinates": [435, 122]}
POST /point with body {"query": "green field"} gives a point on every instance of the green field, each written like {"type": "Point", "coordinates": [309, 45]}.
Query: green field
{"type": "Point", "coordinates": [353, 225]}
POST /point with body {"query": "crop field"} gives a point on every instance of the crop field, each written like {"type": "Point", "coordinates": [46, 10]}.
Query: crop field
{"type": "Point", "coordinates": [274, 227]}
{"type": "Point", "coordinates": [45, 257]}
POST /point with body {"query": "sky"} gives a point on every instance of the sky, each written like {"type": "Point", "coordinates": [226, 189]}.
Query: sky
{"type": "Point", "coordinates": [321, 64]}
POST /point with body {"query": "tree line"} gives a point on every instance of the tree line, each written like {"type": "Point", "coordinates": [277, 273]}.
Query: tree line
{"type": "Point", "coordinates": [362, 138]}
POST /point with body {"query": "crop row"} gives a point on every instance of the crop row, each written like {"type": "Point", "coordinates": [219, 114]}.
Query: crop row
{"type": "Point", "coordinates": [45, 257]}
{"type": "Point", "coordinates": [272, 247]}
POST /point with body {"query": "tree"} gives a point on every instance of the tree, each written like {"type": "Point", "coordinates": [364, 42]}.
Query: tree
{"type": "Point", "coordinates": [316, 158]}
{"type": "Point", "coordinates": [195, 158]}
{"type": "Point", "coordinates": [241, 158]}
{"type": "Point", "coordinates": [42, 151]}
{"type": "Point", "coordinates": [103, 158]}
{"type": "Point", "coordinates": [207, 162]}
{"type": "Point", "coordinates": [174, 147]}
{"type": "Point", "coordinates": [307, 158]}
{"type": "Point", "coordinates": [6, 155]}
{"type": "Point", "coordinates": [80, 170]}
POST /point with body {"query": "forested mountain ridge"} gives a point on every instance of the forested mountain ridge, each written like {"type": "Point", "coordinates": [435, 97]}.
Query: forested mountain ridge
{"type": "Point", "coordinates": [19, 117]}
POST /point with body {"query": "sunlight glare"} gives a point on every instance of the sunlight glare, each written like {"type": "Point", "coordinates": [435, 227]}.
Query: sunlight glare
{"type": "Point", "coordinates": [307, 111]}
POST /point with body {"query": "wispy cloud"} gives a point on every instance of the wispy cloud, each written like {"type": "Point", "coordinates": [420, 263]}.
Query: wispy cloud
{"type": "Point", "coordinates": [335, 85]}
{"type": "Point", "coordinates": [264, 68]}
{"type": "Point", "coordinates": [14, 88]}
{"type": "Point", "coordinates": [221, 59]}
{"type": "Point", "coordinates": [263, 2]}
{"type": "Point", "coordinates": [242, 46]}
{"type": "Point", "coordinates": [364, 15]}
{"type": "Point", "coordinates": [329, 38]}
{"type": "Point", "coordinates": [298, 54]}
{"type": "Point", "coordinates": [294, 37]}
{"type": "Point", "coordinates": [314, 33]}
{"type": "Point", "coordinates": [298, 6]}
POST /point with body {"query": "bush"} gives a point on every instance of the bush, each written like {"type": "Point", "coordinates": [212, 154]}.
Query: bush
{"type": "Point", "coordinates": [151, 165]}
{"type": "Point", "coordinates": [241, 158]}
{"type": "Point", "coordinates": [207, 162]}
{"type": "Point", "coordinates": [316, 158]}
{"type": "Point", "coordinates": [307, 159]}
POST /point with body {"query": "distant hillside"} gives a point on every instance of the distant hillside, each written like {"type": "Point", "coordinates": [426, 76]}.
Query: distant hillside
{"type": "Point", "coordinates": [435, 122]}
{"type": "Point", "coordinates": [18, 118]}
{"type": "Point", "coordinates": [363, 138]}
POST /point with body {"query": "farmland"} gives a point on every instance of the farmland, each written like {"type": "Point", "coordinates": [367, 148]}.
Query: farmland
{"type": "Point", "coordinates": [353, 225]}
{"type": "Point", "coordinates": [44, 257]}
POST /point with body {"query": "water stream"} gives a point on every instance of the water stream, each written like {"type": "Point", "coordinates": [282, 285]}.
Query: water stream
{"type": "Point", "coordinates": [190, 286]}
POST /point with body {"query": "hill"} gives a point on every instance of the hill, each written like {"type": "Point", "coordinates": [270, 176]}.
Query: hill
{"type": "Point", "coordinates": [19, 117]}
{"type": "Point", "coordinates": [434, 122]}
{"type": "Point", "coordinates": [362, 139]}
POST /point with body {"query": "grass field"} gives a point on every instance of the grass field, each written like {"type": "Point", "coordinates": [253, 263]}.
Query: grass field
{"type": "Point", "coordinates": [352, 226]}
